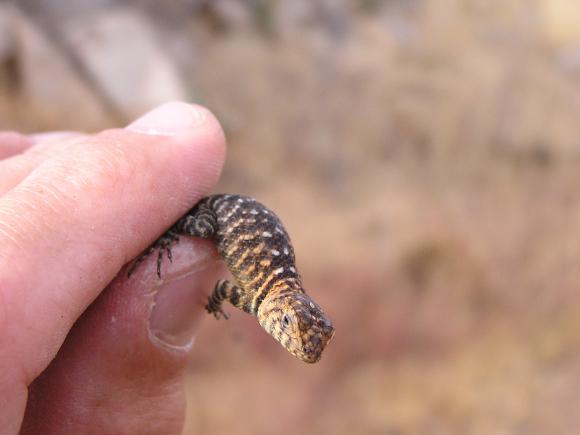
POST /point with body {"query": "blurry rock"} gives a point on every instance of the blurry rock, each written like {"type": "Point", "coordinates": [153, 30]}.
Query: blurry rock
{"type": "Point", "coordinates": [59, 11]}
{"type": "Point", "coordinates": [7, 31]}
{"type": "Point", "coordinates": [91, 69]}
{"type": "Point", "coordinates": [50, 90]}
{"type": "Point", "coordinates": [120, 49]}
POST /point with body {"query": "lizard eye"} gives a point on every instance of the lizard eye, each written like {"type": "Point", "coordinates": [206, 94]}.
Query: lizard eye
{"type": "Point", "coordinates": [286, 321]}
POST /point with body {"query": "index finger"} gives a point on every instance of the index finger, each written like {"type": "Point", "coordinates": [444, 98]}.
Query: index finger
{"type": "Point", "coordinates": [67, 228]}
{"type": "Point", "coordinates": [12, 143]}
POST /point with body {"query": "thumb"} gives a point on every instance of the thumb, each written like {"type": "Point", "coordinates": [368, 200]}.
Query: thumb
{"type": "Point", "coordinates": [121, 367]}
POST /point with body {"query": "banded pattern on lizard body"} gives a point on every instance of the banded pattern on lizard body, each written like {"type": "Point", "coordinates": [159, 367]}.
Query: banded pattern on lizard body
{"type": "Point", "coordinates": [257, 250]}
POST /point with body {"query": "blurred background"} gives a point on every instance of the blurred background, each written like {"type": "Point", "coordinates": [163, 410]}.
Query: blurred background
{"type": "Point", "coordinates": [425, 157]}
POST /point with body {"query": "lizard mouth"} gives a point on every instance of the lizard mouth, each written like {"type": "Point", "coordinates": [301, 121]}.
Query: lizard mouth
{"type": "Point", "coordinates": [310, 357]}
{"type": "Point", "coordinates": [313, 353]}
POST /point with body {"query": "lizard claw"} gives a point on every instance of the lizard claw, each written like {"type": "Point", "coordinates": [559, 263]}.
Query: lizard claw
{"type": "Point", "coordinates": [217, 313]}
{"type": "Point", "coordinates": [159, 261]}
{"type": "Point", "coordinates": [162, 246]}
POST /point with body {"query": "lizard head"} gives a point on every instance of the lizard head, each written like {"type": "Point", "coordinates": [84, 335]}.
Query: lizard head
{"type": "Point", "coordinates": [298, 323]}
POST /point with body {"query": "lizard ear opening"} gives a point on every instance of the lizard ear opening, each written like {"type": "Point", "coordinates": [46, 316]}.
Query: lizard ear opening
{"type": "Point", "coordinates": [286, 321]}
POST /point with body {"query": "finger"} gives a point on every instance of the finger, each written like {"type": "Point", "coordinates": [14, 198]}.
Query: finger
{"type": "Point", "coordinates": [120, 369]}
{"type": "Point", "coordinates": [12, 143]}
{"type": "Point", "coordinates": [67, 228]}
{"type": "Point", "coordinates": [52, 136]}
{"type": "Point", "coordinates": [14, 169]}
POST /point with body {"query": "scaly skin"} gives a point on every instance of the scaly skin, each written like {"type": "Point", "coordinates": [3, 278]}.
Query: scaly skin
{"type": "Point", "coordinates": [257, 250]}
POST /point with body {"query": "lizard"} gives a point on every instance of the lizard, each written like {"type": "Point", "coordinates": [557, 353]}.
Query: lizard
{"type": "Point", "coordinates": [257, 250]}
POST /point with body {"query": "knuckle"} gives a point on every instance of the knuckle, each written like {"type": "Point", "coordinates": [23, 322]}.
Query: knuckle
{"type": "Point", "coordinates": [100, 167]}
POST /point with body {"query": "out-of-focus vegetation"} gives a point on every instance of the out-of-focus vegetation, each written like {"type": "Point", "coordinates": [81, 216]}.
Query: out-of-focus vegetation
{"type": "Point", "coordinates": [425, 156]}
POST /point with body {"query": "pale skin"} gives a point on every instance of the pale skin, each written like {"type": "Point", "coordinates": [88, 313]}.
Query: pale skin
{"type": "Point", "coordinates": [84, 349]}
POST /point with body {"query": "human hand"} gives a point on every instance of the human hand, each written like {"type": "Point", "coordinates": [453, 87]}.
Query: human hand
{"type": "Point", "coordinates": [84, 349]}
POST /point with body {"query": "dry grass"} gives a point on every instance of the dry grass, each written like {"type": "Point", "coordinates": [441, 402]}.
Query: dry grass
{"type": "Point", "coordinates": [430, 181]}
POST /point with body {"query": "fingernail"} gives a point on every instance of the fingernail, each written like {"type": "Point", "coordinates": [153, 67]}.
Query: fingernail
{"type": "Point", "coordinates": [175, 315]}
{"type": "Point", "coordinates": [170, 119]}
{"type": "Point", "coordinates": [180, 300]}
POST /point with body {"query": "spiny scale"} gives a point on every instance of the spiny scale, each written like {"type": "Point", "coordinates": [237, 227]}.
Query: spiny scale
{"type": "Point", "coordinates": [257, 250]}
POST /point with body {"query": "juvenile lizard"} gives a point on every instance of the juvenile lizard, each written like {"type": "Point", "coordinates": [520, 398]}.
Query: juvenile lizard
{"type": "Point", "coordinates": [257, 250]}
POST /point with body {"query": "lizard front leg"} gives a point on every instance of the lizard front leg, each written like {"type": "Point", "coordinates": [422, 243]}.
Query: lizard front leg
{"type": "Point", "coordinates": [163, 246]}
{"type": "Point", "coordinates": [200, 221]}
{"type": "Point", "coordinates": [225, 290]}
